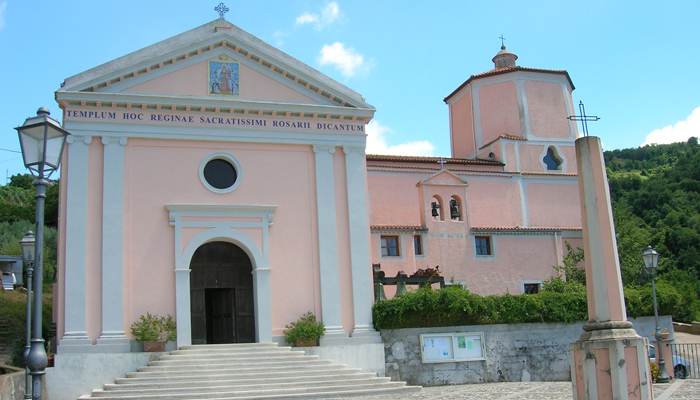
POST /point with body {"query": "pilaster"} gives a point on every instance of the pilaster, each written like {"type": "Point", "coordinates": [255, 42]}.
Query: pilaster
{"type": "Point", "coordinates": [113, 338]}
{"type": "Point", "coordinates": [359, 242]}
{"type": "Point", "coordinates": [75, 338]}
{"type": "Point", "coordinates": [328, 242]}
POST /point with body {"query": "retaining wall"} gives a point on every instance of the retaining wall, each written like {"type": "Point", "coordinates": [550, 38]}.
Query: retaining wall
{"type": "Point", "coordinates": [513, 353]}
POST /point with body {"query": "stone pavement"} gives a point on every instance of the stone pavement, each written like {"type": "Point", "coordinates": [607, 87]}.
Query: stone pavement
{"type": "Point", "coordinates": [678, 390]}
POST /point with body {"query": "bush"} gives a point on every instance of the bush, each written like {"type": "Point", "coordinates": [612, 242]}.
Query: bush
{"type": "Point", "coordinates": [454, 306]}
{"type": "Point", "coordinates": [152, 328]}
{"type": "Point", "coordinates": [305, 329]}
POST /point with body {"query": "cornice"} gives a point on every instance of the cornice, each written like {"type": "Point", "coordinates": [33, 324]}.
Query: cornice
{"type": "Point", "coordinates": [108, 101]}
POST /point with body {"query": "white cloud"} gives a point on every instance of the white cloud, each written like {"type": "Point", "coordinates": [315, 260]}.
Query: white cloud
{"type": "Point", "coordinates": [279, 37]}
{"type": "Point", "coordinates": [680, 132]}
{"type": "Point", "coordinates": [306, 18]}
{"type": "Point", "coordinates": [347, 60]}
{"type": "Point", "coordinates": [377, 143]}
{"type": "Point", "coordinates": [2, 13]}
{"type": "Point", "coordinates": [329, 14]}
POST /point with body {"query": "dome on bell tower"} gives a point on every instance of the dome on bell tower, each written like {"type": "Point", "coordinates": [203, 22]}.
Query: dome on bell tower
{"type": "Point", "coordinates": [504, 58]}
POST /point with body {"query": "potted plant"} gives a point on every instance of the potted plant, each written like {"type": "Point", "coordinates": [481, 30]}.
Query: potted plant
{"type": "Point", "coordinates": [154, 331]}
{"type": "Point", "coordinates": [305, 331]}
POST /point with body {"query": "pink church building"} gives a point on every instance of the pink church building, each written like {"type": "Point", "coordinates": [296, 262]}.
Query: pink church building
{"type": "Point", "coordinates": [215, 178]}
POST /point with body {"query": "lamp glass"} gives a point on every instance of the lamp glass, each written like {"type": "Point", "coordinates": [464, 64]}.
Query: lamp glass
{"type": "Point", "coordinates": [651, 259]}
{"type": "Point", "coordinates": [27, 244]}
{"type": "Point", "coordinates": [39, 133]}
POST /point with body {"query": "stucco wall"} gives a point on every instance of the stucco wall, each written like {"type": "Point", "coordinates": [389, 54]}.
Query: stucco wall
{"type": "Point", "coordinates": [514, 353]}
{"type": "Point", "coordinates": [545, 101]}
{"type": "Point", "coordinates": [462, 129]}
{"type": "Point", "coordinates": [500, 112]}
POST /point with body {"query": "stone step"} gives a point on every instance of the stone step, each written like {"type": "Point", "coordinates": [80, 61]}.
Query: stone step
{"type": "Point", "coordinates": [251, 372]}
{"type": "Point", "coordinates": [134, 383]}
{"type": "Point", "coordinates": [237, 374]}
{"type": "Point", "coordinates": [241, 357]}
{"type": "Point", "coordinates": [238, 362]}
{"type": "Point", "coordinates": [244, 372]}
{"type": "Point", "coordinates": [210, 393]}
{"type": "Point", "coordinates": [185, 387]}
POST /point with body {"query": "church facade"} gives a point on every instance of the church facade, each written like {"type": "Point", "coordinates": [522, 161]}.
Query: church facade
{"type": "Point", "coordinates": [216, 179]}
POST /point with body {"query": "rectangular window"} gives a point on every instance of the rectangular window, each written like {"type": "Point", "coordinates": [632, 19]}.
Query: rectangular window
{"type": "Point", "coordinates": [390, 246]}
{"type": "Point", "coordinates": [483, 245]}
{"type": "Point", "coordinates": [531, 288]}
{"type": "Point", "coordinates": [418, 245]}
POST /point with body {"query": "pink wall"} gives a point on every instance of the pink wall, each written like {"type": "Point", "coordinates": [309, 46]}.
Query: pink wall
{"type": "Point", "coordinates": [494, 203]}
{"type": "Point", "coordinates": [554, 205]}
{"type": "Point", "coordinates": [394, 199]}
{"type": "Point", "coordinates": [462, 130]}
{"type": "Point", "coordinates": [192, 81]}
{"type": "Point", "coordinates": [545, 101]}
{"type": "Point", "coordinates": [293, 256]}
{"type": "Point", "coordinates": [499, 111]}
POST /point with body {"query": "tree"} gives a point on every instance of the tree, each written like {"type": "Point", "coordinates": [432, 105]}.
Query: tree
{"type": "Point", "coordinates": [22, 181]}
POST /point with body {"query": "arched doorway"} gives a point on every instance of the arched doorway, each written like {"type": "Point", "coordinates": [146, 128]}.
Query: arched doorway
{"type": "Point", "coordinates": [221, 295]}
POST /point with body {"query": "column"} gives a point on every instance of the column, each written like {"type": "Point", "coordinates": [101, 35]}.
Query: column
{"type": "Point", "coordinates": [113, 338]}
{"type": "Point", "coordinates": [609, 361]}
{"type": "Point", "coordinates": [359, 242]}
{"type": "Point", "coordinates": [328, 242]}
{"type": "Point", "coordinates": [75, 338]}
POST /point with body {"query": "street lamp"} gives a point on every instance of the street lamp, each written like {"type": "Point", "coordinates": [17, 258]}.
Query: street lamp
{"type": "Point", "coordinates": [651, 262]}
{"type": "Point", "coordinates": [42, 139]}
{"type": "Point", "coordinates": [27, 243]}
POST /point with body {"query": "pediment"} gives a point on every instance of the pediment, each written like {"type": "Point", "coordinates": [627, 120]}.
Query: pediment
{"type": "Point", "coordinates": [179, 69]}
{"type": "Point", "coordinates": [443, 177]}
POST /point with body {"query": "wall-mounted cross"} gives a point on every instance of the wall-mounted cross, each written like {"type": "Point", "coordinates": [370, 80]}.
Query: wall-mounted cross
{"type": "Point", "coordinates": [583, 118]}
{"type": "Point", "coordinates": [221, 9]}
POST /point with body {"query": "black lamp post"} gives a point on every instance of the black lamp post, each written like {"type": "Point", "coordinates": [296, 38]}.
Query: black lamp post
{"type": "Point", "coordinates": [27, 243]}
{"type": "Point", "coordinates": [42, 139]}
{"type": "Point", "coordinates": [651, 262]}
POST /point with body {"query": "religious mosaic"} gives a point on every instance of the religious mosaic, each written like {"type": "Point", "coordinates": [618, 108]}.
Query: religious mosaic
{"type": "Point", "coordinates": [223, 78]}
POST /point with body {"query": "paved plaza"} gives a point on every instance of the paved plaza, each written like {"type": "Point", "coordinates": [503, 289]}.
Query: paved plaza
{"type": "Point", "coordinates": [677, 390]}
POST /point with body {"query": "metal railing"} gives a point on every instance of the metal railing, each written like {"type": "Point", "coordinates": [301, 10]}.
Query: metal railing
{"type": "Point", "coordinates": [686, 360]}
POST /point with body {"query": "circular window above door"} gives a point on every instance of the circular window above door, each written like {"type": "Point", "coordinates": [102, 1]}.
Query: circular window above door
{"type": "Point", "coordinates": [220, 172]}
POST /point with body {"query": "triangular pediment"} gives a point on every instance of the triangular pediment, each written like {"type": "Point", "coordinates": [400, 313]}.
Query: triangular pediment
{"type": "Point", "coordinates": [217, 65]}
{"type": "Point", "coordinates": [443, 177]}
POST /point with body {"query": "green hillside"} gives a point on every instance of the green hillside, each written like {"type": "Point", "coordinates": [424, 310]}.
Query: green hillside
{"type": "Point", "coordinates": [655, 193]}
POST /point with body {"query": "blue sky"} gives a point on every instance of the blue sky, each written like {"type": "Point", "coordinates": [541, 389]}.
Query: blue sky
{"type": "Point", "coordinates": [634, 63]}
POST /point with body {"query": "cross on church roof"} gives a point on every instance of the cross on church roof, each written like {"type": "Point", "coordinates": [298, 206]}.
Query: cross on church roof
{"type": "Point", "coordinates": [583, 118]}
{"type": "Point", "coordinates": [221, 9]}
{"type": "Point", "coordinates": [502, 39]}
{"type": "Point", "coordinates": [442, 163]}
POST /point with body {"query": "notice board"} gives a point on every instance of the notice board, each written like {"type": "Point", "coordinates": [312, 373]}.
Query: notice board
{"type": "Point", "coordinates": [451, 347]}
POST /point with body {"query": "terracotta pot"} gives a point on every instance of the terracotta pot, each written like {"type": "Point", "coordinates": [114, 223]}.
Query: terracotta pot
{"type": "Point", "coordinates": [664, 335]}
{"type": "Point", "coordinates": [153, 346]}
{"type": "Point", "coordinates": [301, 343]}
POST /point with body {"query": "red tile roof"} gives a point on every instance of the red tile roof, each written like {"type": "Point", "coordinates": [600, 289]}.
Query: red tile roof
{"type": "Point", "coordinates": [523, 229]}
{"type": "Point", "coordinates": [416, 228]}
{"type": "Point", "coordinates": [498, 71]}
{"type": "Point", "coordinates": [432, 160]}
{"type": "Point", "coordinates": [503, 136]}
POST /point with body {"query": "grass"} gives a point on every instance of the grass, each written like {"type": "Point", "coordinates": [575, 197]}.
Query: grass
{"type": "Point", "coordinates": [13, 307]}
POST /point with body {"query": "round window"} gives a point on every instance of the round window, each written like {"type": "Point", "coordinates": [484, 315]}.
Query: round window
{"type": "Point", "coordinates": [220, 172]}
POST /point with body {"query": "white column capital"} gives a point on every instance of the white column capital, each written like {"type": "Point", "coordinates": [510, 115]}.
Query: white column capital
{"type": "Point", "coordinates": [321, 148]}
{"type": "Point", "coordinates": [70, 139]}
{"type": "Point", "coordinates": [106, 140]}
{"type": "Point", "coordinates": [354, 149]}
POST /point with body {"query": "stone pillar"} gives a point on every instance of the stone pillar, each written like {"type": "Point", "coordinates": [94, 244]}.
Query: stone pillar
{"type": "Point", "coordinates": [75, 338]}
{"type": "Point", "coordinates": [609, 361]}
{"type": "Point", "coordinates": [359, 243]}
{"type": "Point", "coordinates": [113, 339]}
{"type": "Point", "coordinates": [328, 243]}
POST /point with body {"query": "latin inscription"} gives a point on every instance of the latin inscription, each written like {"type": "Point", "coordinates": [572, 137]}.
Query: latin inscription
{"type": "Point", "coordinates": [194, 120]}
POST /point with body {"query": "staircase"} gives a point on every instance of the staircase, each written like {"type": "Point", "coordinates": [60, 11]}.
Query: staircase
{"type": "Point", "coordinates": [245, 371]}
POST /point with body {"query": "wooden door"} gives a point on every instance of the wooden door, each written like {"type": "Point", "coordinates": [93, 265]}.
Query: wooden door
{"type": "Point", "coordinates": [221, 295]}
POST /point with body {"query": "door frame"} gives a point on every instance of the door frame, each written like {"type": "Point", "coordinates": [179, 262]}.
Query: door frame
{"type": "Point", "coordinates": [222, 222]}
